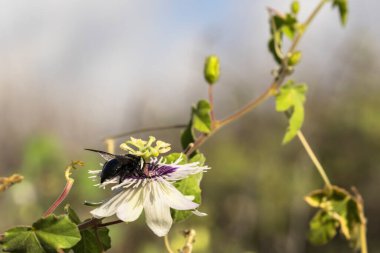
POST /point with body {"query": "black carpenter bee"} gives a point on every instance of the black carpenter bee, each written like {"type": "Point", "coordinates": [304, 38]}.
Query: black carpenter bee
{"type": "Point", "coordinates": [120, 165]}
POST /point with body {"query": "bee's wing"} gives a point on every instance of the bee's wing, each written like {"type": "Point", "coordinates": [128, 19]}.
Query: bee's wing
{"type": "Point", "coordinates": [107, 156]}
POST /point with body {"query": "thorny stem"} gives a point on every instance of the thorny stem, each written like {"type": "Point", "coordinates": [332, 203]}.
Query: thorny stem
{"type": "Point", "coordinates": [167, 244]}
{"type": "Point", "coordinates": [314, 159]}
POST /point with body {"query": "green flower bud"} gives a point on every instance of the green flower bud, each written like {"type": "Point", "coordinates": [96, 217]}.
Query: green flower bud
{"type": "Point", "coordinates": [295, 7]}
{"type": "Point", "coordinates": [212, 69]}
{"type": "Point", "coordinates": [295, 58]}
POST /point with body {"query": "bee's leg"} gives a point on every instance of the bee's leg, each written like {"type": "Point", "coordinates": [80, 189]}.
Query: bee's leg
{"type": "Point", "coordinates": [140, 173]}
{"type": "Point", "coordinates": [123, 175]}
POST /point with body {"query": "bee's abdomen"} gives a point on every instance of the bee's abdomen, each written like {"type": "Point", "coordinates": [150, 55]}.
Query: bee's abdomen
{"type": "Point", "coordinates": [110, 170]}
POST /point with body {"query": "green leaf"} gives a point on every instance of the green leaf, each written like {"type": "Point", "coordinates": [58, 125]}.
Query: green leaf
{"type": "Point", "coordinates": [174, 157]}
{"type": "Point", "coordinates": [316, 198]}
{"type": "Point", "coordinates": [295, 58]}
{"type": "Point", "coordinates": [322, 228]}
{"type": "Point", "coordinates": [44, 236]}
{"type": "Point", "coordinates": [72, 214]}
{"type": "Point", "coordinates": [187, 135]}
{"type": "Point", "coordinates": [189, 186]}
{"type": "Point", "coordinates": [292, 97]}
{"type": "Point", "coordinates": [89, 242]}
{"type": "Point", "coordinates": [272, 48]}
{"type": "Point", "coordinates": [275, 41]}
{"type": "Point", "coordinates": [289, 26]}
{"type": "Point", "coordinates": [200, 158]}
{"type": "Point", "coordinates": [341, 207]}
{"type": "Point", "coordinates": [201, 117]}
{"type": "Point", "coordinates": [281, 24]}
{"type": "Point", "coordinates": [212, 69]}
{"type": "Point", "coordinates": [342, 6]}
{"type": "Point", "coordinates": [200, 121]}
{"type": "Point", "coordinates": [286, 24]}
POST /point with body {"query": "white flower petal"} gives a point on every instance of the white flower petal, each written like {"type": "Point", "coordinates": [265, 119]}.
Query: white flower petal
{"type": "Point", "coordinates": [131, 208]}
{"type": "Point", "coordinates": [185, 170]}
{"type": "Point", "coordinates": [174, 198]}
{"type": "Point", "coordinates": [190, 197]}
{"type": "Point", "coordinates": [196, 212]}
{"type": "Point", "coordinates": [96, 172]}
{"type": "Point", "coordinates": [157, 211]}
{"type": "Point", "coordinates": [109, 208]}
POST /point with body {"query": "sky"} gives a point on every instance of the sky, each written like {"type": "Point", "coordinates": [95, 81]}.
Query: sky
{"type": "Point", "coordinates": [86, 69]}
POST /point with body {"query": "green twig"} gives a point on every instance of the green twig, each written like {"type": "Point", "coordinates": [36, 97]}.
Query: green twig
{"type": "Point", "coordinates": [306, 24]}
{"type": "Point", "coordinates": [314, 158]}
{"type": "Point", "coordinates": [211, 101]}
{"type": "Point", "coordinates": [167, 244]}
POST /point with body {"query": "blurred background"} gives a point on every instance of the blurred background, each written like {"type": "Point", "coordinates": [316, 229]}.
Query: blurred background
{"type": "Point", "coordinates": [75, 72]}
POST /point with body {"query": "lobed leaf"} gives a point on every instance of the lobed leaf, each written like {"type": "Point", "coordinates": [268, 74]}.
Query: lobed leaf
{"type": "Point", "coordinates": [89, 237]}
{"type": "Point", "coordinates": [292, 97]}
{"type": "Point", "coordinates": [201, 118]}
{"type": "Point", "coordinates": [282, 24]}
{"type": "Point", "coordinates": [322, 228]}
{"type": "Point", "coordinates": [339, 206]}
{"type": "Point", "coordinates": [342, 6]}
{"type": "Point", "coordinates": [47, 235]}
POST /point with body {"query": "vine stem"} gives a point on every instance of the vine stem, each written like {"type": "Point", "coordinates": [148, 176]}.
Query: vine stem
{"type": "Point", "coordinates": [250, 106]}
{"type": "Point", "coordinates": [167, 244]}
{"type": "Point", "coordinates": [363, 221]}
{"type": "Point", "coordinates": [61, 197]}
{"type": "Point", "coordinates": [211, 101]}
{"type": "Point", "coordinates": [66, 190]}
{"type": "Point", "coordinates": [314, 158]}
{"type": "Point", "coordinates": [363, 237]}
{"type": "Point", "coordinates": [306, 25]}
